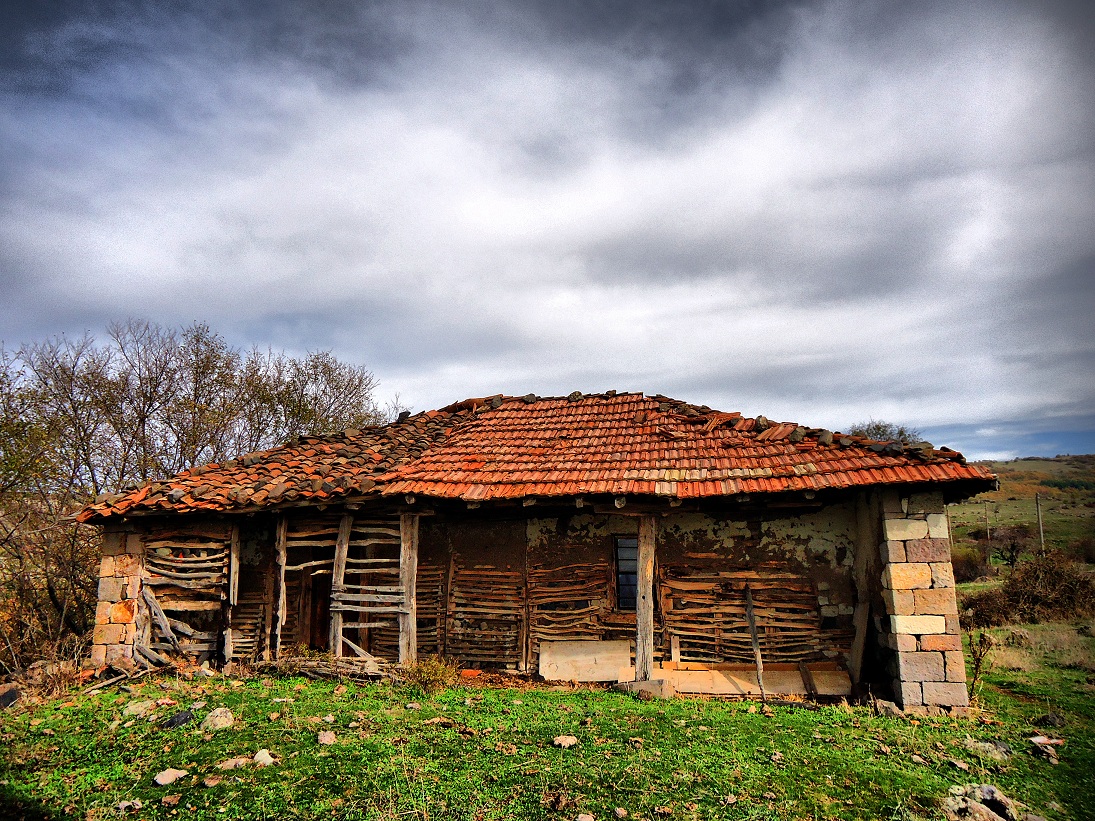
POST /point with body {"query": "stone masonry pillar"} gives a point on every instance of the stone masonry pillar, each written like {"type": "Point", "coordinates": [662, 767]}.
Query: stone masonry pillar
{"type": "Point", "coordinates": [921, 621]}
{"type": "Point", "coordinates": [118, 618]}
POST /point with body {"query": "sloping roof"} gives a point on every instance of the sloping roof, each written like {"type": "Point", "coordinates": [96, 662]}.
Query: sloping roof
{"type": "Point", "coordinates": [512, 447]}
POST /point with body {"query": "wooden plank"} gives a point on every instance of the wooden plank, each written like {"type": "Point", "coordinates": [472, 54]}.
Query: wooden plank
{"type": "Point", "coordinates": [866, 544]}
{"type": "Point", "coordinates": [807, 679]}
{"type": "Point", "coordinates": [279, 544]}
{"type": "Point", "coordinates": [338, 577]}
{"type": "Point", "coordinates": [644, 607]}
{"type": "Point", "coordinates": [584, 660]}
{"type": "Point", "coordinates": [234, 566]}
{"type": "Point", "coordinates": [408, 573]}
{"type": "Point", "coordinates": [751, 616]}
{"type": "Point", "coordinates": [159, 617]}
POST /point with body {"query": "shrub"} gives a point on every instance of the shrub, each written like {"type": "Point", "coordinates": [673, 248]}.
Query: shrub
{"type": "Point", "coordinates": [969, 565]}
{"type": "Point", "coordinates": [430, 674]}
{"type": "Point", "coordinates": [1083, 549]}
{"type": "Point", "coordinates": [1043, 588]}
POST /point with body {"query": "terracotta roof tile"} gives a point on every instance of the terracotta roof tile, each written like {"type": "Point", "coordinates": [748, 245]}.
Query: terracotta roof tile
{"type": "Point", "coordinates": [506, 447]}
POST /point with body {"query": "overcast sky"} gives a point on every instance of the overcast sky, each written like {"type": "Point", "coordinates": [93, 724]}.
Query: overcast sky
{"type": "Point", "coordinates": [815, 211]}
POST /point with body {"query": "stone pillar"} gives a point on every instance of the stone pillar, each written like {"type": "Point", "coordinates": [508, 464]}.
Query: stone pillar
{"type": "Point", "coordinates": [118, 618]}
{"type": "Point", "coordinates": [921, 621]}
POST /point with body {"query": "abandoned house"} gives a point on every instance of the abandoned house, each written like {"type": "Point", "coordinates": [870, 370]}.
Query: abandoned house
{"type": "Point", "coordinates": [609, 537]}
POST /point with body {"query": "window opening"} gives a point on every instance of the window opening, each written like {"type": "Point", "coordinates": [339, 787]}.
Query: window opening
{"type": "Point", "coordinates": [627, 572]}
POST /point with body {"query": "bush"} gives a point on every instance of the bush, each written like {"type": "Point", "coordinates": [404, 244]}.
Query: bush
{"type": "Point", "coordinates": [1083, 549]}
{"type": "Point", "coordinates": [1044, 588]}
{"type": "Point", "coordinates": [430, 674]}
{"type": "Point", "coordinates": [969, 565]}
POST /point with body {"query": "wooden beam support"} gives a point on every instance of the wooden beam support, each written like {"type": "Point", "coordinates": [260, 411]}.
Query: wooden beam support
{"type": "Point", "coordinates": [644, 604]}
{"type": "Point", "coordinates": [234, 566]}
{"type": "Point", "coordinates": [868, 516]}
{"type": "Point", "coordinates": [280, 548]}
{"type": "Point", "coordinates": [751, 617]}
{"type": "Point", "coordinates": [338, 578]}
{"type": "Point", "coordinates": [408, 572]}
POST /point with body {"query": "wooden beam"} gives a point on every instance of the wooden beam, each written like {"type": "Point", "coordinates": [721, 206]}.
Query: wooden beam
{"type": "Point", "coordinates": [408, 572]}
{"type": "Point", "coordinates": [279, 547]}
{"type": "Point", "coordinates": [867, 511]}
{"type": "Point", "coordinates": [752, 618]}
{"type": "Point", "coordinates": [338, 578]}
{"type": "Point", "coordinates": [234, 566]}
{"type": "Point", "coordinates": [644, 603]}
{"type": "Point", "coordinates": [160, 617]}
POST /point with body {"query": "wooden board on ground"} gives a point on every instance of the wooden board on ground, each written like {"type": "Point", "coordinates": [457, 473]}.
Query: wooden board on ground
{"type": "Point", "coordinates": [584, 660]}
{"type": "Point", "coordinates": [744, 682]}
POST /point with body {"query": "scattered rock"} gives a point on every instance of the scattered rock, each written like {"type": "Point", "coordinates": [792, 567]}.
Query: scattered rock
{"type": "Point", "coordinates": [330, 719]}
{"type": "Point", "coordinates": [564, 741]}
{"type": "Point", "coordinates": [130, 806]}
{"type": "Point", "coordinates": [918, 759]}
{"type": "Point", "coordinates": [584, 816]}
{"type": "Point", "coordinates": [264, 759]}
{"type": "Point", "coordinates": [413, 705]}
{"type": "Point", "coordinates": [170, 800]}
{"type": "Point", "coordinates": [327, 737]}
{"type": "Point", "coordinates": [888, 709]}
{"type": "Point", "coordinates": [1050, 720]}
{"type": "Point", "coordinates": [169, 776]}
{"type": "Point", "coordinates": [197, 705]}
{"type": "Point", "coordinates": [1018, 638]}
{"type": "Point", "coordinates": [219, 719]}
{"type": "Point", "coordinates": [961, 765]}
{"type": "Point", "coordinates": [179, 719]}
{"type": "Point", "coordinates": [1044, 745]}
{"type": "Point", "coordinates": [979, 802]}
{"type": "Point", "coordinates": [234, 763]}
{"type": "Point", "coordinates": [137, 709]}
{"type": "Point", "coordinates": [9, 697]}
{"type": "Point", "coordinates": [212, 780]}
{"type": "Point", "coordinates": [620, 812]}
{"type": "Point", "coordinates": [995, 750]}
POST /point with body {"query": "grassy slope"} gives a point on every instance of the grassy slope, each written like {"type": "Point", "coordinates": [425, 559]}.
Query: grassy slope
{"type": "Point", "coordinates": [688, 756]}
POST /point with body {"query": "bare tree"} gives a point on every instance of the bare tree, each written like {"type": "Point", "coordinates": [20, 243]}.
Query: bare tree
{"type": "Point", "coordinates": [885, 431]}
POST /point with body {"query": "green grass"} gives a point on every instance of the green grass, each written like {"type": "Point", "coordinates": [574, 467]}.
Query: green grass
{"type": "Point", "coordinates": [693, 759]}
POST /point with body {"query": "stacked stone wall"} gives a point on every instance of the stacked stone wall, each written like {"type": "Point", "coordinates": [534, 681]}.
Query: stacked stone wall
{"type": "Point", "coordinates": [920, 624]}
{"type": "Point", "coordinates": [118, 616]}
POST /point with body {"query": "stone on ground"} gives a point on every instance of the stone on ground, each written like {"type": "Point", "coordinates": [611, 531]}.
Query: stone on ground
{"type": "Point", "coordinates": [564, 741]}
{"type": "Point", "coordinates": [169, 776]}
{"type": "Point", "coordinates": [219, 719]}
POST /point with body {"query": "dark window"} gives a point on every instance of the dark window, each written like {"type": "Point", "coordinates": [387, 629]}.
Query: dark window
{"type": "Point", "coordinates": [627, 572]}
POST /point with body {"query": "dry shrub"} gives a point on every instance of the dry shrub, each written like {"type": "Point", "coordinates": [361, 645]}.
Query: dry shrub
{"type": "Point", "coordinates": [430, 674]}
{"type": "Point", "coordinates": [1083, 549]}
{"type": "Point", "coordinates": [1043, 588]}
{"type": "Point", "coordinates": [1014, 658]}
{"type": "Point", "coordinates": [969, 565]}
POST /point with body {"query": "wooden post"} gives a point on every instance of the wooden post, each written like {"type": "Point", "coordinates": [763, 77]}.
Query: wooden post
{"type": "Point", "coordinates": [866, 545]}
{"type": "Point", "coordinates": [279, 545]}
{"type": "Point", "coordinates": [234, 566]}
{"type": "Point", "coordinates": [644, 602]}
{"type": "Point", "coordinates": [338, 580]}
{"type": "Point", "coordinates": [408, 571]}
{"type": "Point", "coordinates": [750, 616]}
{"type": "Point", "coordinates": [1041, 531]}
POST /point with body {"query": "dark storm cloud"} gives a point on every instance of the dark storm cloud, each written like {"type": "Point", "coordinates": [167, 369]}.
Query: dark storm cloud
{"type": "Point", "coordinates": [819, 211]}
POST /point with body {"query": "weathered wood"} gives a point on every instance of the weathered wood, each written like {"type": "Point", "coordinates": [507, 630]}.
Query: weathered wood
{"type": "Point", "coordinates": [280, 551]}
{"type": "Point", "coordinates": [408, 572]}
{"type": "Point", "coordinates": [807, 679]}
{"type": "Point", "coordinates": [644, 602]}
{"type": "Point", "coordinates": [151, 655]}
{"type": "Point", "coordinates": [751, 616]}
{"type": "Point", "coordinates": [866, 545]}
{"type": "Point", "coordinates": [159, 617]}
{"type": "Point", "coordinates": [290, 568]}
{"type": "Point", "coordinates": [338, 578]}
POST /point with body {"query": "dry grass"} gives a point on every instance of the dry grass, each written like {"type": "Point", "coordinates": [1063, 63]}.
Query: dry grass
{"type": "Point", "coordinates": [1027, 649]}
{"type": "Point", "coordinates": [1014, 658]}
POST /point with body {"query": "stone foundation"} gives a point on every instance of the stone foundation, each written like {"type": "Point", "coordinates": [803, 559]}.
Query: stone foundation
{"type": "Point", "coordinates": [117, 615]}
{"type": "Point", "coordinates": [921, 621]}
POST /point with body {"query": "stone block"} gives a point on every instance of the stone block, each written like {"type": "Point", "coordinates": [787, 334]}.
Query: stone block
{"type": "Point", "coordinates": [116, 652]}
{"type": "Point", "coordinates": [921, 667]}
{"type": "Point", "coordinates": [931, 502]}
{"type": "Point", "coordinates": [132, 587]}
{"type": "Point", "coordinates": [123, 612]}
{"type": "Point", "coordinates": [108, 634]}
{"type": "Point", "coordinates": [918, 625]}
{"type": "Point", "coordinates": [955, 663]}
{"type": "Point", "coordinates": [904, 530]}
{"type": "Point", "coordinates": [908, 693]}
{"type": "Point", "coordinates": [134, 543]}
{"type": "Point", "coordinates": [899, 602]}
{"type": "Point", "coordinates": [945, 694]}
{"type": "Point", "coordinates": [904, 643]}
{"type": "Point", "coordinates": [934, 602]}
{"type": "Point", "coordinates": [928, 550]}
{"type": "Point", "coordinates": [110, 589]}
{"type": "Point", "coordinates": [942, 574]}
{"type": "Point", "coordinates": [130, 634]}
{"type": "Point", "coordinates": [106, 567]}
{"type": "Point", "coordinates": [113, 543]}
{"type": "Point", "coordinates": [127, 564]}
{"type": "Point", "coordinates": [954, 628]}
{"type": "Point", "coordinates": [907, 576]}
{"type": "Point", "coordinates": [829, 610]}
{"type": "Point", "coordinates": [937, 526]}
{"type": "Point", "coordinates": [98, 655]}
{"type": "Point", "coordinates": [892, 502]}
{"type": "Point", "coordinates": [941, 642]}
{"type": "Point", "coordinates": [102, 612]}
{"type": "Point", "coordinates": [893, 551]}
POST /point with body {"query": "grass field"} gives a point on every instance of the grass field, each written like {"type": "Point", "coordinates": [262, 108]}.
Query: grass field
{"type": "Point", "coordinates": [478, 753]}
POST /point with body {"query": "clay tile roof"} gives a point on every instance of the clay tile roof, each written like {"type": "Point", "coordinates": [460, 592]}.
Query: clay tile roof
{"type": "Point", "coordinates": [502, 447]}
